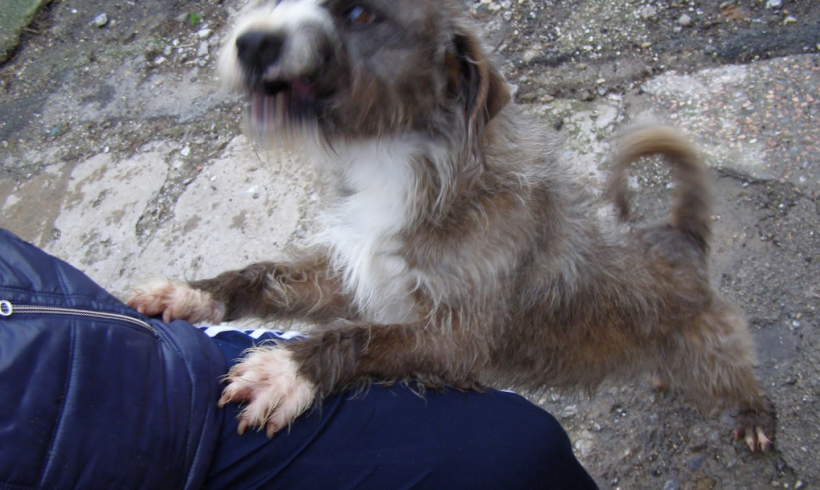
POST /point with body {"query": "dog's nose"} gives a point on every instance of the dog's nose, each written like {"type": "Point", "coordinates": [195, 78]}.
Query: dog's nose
{"type": "Point", "coordinates": [258, 50]}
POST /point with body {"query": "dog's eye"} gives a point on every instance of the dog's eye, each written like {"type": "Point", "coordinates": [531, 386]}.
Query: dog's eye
{"type": "Point", "coordinates": [360, 16]}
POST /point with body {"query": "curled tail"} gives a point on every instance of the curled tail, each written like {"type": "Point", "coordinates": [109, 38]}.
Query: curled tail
{"type": "Point", "coordinates": [691, 211]}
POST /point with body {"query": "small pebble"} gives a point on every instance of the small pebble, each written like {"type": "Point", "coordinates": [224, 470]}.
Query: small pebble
{"type": "Point", "coordinates": [648, 12]}
{"type": "Point", "coordinates": [203, 49]}
{"type": "Point", "coordinates": [790, 20]}
{"type": "Point", "coordinates": [204, 33]}
{"type": "Point", "coordinates": [185, 151]}
{"type": "Point", "coordinates": [671, 485]}
{"type": "Point", "coordinates": [530, 55]}
{"type": "Point", "coordinates": [773, 4]}
{"type": "Point", "coordinates": [685, 20]}
{"type": "Point", "coordinates": [569, 411]}
{"type": "Point", "coordinates": [101, 20]}
{"type": "Point", "coordinates": [695, 463]}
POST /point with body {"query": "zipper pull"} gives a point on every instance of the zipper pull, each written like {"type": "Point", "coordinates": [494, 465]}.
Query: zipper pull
{"type": "Point", "coordinates": [6, 308]}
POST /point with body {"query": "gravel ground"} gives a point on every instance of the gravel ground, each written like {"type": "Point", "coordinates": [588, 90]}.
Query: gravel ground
{"type": "Point", "coordinates": [119, 153]}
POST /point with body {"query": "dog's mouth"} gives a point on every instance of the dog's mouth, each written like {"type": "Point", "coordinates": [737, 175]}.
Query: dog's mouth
{"type": "Point", "coordinates": [280, 103]}
{"type": "Point", "coordinates": [301, 88]}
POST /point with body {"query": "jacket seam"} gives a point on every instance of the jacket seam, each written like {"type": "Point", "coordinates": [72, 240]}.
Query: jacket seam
{"type": "Point", "coordinates": [199, 447]}
{"type": "Point", "coordinates": [189, 451]}
{"type": "Point", "coordinates": [61, 415]}
{"type": "Point", "coordinates": [71, 372]}
{"type": "Point", "coordinates": [61, 277]}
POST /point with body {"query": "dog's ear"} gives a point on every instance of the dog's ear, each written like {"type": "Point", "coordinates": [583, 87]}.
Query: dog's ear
{"type": "Point", "coordinates": [471, 75]}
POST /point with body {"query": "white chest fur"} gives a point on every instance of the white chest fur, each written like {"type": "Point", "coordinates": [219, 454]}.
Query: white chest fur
{"type": "Point", "coordinates": [360, 227]}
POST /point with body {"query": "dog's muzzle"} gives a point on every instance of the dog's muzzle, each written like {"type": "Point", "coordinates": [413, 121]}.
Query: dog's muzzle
{"type": "Point", "coordinates": [259, 51]}
{"type": "Point", "coordinates": [280, 57]}
{"type": "Point", "coordinates": [282, 48]}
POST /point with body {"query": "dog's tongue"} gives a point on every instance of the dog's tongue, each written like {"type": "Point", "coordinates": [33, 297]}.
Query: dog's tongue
{"type": "Point", "coordinates": [302, 89]}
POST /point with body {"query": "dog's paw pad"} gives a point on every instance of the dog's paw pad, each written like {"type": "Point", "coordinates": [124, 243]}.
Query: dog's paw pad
{"type": "Point", "coordinates": [175, 300]}
{"type": "Point", "coordinates": [268, 381]}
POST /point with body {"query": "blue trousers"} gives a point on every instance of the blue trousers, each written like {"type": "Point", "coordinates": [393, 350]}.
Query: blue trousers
{"type": "Point", "coordinates": [392, 438]}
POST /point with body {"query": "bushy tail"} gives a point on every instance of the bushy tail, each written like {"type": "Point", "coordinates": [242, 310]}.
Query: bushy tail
{"type": "Point", "coordinates": [691, 211]}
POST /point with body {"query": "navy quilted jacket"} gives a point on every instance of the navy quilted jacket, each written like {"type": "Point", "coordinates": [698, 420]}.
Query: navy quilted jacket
{"type": "Point", "coordinates": [94, 395]}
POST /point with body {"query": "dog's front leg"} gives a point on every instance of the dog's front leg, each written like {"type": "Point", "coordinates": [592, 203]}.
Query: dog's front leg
{"type": "Point", "coordinates": [279, 382]}
{"type": "Point", "coordinates": [303, 289]}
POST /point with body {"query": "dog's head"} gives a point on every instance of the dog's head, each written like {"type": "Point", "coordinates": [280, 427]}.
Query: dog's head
{"type": "Point", "coordinates": [351, 69]}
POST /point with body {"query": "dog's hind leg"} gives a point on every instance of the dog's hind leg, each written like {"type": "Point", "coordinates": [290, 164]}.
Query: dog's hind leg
{"type": "Point", "coordinates": [715, 364]}
{"type": "Point", "coordinates": [279, 382]}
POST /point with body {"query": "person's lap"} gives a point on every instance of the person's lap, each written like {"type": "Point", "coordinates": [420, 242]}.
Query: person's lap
{"type": "Point", "coordinates": [391, 437]}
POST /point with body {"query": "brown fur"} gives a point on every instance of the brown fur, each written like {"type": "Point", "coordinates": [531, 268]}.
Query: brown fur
{"type": "Point", "coordinates": [513, 280]}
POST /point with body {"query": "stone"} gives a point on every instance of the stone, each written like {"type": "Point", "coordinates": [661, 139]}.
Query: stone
{"type": "Point", "coordinates": [648, 12]}
{"type": "Point", "coordinates": [101, 20]}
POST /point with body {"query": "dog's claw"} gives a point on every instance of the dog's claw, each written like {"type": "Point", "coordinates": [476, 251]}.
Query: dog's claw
{"type": "Point", "coordinates": [754, 437]}
{"type": "Point", "coordinates": [267, 380]}
{"type": "Point", "coordinates": [750, 441]}
{"type": "Point", "coordinates": [174, 299]}
{"type": "Point", "coordinates": [763, 441]}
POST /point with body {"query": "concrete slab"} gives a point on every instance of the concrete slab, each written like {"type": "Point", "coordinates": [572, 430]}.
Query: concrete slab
{"type": "Point", "coordinates": [238, 209]}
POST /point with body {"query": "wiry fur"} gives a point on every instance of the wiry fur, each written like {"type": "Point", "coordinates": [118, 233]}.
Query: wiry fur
{"type": "Point", "coordinates": [457, 249]}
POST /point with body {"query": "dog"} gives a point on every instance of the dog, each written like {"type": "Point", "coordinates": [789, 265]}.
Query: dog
{"type": "Point", "coordinates": [456, 248]}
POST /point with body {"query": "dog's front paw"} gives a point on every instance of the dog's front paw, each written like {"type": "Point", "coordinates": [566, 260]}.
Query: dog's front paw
{"type": "Point", "coordinates": [176, 300]}
{"type": "Point", "coordinates": [268, 380]}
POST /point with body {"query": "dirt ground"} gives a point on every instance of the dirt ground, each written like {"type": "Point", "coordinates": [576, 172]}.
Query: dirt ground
{"type": "Point", "coordinates": [119, 153]}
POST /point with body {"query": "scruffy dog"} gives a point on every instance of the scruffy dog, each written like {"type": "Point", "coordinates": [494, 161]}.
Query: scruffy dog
{"type": "Point", "coordinates": [456, 248]}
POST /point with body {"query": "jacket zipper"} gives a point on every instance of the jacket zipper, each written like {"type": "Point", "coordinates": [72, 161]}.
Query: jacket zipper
{"type": "Point", "coordinates": [7, 309]}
